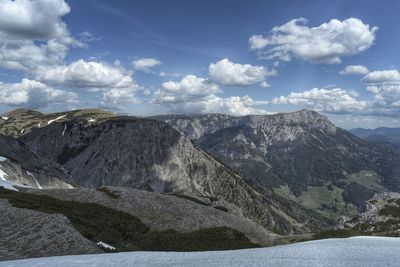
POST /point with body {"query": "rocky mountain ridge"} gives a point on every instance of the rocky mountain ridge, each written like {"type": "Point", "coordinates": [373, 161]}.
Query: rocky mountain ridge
{"type": "Point", "coordinates": [150, 155]}
{"type": "Point", "coordinates": [302, 155]}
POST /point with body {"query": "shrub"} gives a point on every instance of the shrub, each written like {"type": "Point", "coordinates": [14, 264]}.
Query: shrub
{"type": "Point", "coordinates": [108, 192]}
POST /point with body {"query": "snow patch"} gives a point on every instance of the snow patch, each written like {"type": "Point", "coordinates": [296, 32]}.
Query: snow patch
{"type": "Point", "coordinates": [3, 175]}
{"type": "Point", "coordinates": [22, 131]}
{"type": "Point", "coordinates": [34, 179]}
{"type": "Point", "coordinates": [361, 251]}
{"type": "Point", "coordinates": [6, 184]}
{"type": "Point", "coordinates": [105, 245]}
{"type": "Point", "coordinates": [3, 158]}
{"type": "Point", "coordinates": [65, 128]}
{"type": "Point", "coordinates": [91, 120]}
{"type": "Point", "coordinates": [56, 119]}
{"type": "Point", "coordinates": [4, 118]}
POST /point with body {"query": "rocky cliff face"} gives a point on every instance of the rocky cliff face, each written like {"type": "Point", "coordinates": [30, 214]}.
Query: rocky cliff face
{"type": "Point", "coordinates": [22, 166]}
{"type": "Point", "coordinates": [301, 154]}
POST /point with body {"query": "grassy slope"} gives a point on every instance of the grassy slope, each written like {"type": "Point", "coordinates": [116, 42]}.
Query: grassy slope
{"type": "Point", "coordinates": [329, 199]}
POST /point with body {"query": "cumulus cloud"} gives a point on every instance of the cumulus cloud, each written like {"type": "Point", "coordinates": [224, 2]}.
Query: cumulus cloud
{"type": "Point", "coordinates": [117, 86]}
{"type": "Point", "coordinates": [229, 73]}
{"type": "Point", "coordinates": [32, 33]}
{"type": "Point", "coordinates": [383, 76]}
{"type": "Point", "coordinates": [335, 100]}
{"type": "Point", "coordinates": [355, 70]}
{"type": "Point", "coordinates": [86, 74]}
{"type": "Point", "coordinates": [198, 95]}
{"type": "Point", "coordinates": [33, 94]}
{"type": "Point", "coordinates": [264, 84]}
{"type": "Point", "coordinates": [145, 64]}
{"type": "Point", "coordinates": [326, 43]}
{"type": "Point", "coordinates": [385, 87]}
{"type": "Point", "coordinates": [32, 20]}
{"type": "Point", "coordinates": [190, 88]}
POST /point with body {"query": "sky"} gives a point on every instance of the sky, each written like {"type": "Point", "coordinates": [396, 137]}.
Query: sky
{"type": "Point", "coordinates": [339, 58]}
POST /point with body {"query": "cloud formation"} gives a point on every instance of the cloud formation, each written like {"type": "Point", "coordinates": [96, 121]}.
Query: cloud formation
{"type": "Point", "coordinates": [86, 74]}
{"type": "Point", "coordinates": [32, 34]}
{"type": "Point", "coordinates": [198, 95]}
{"type": "Point", "coordinates": [326, 43]}
{"type": "Point", "coordinates": [335, 100]}
{"type": "Point", "coordinates": [117, 86]}
{"type": "Point", "coordinates": [145, 64]}
{"type": "Point", "coordinates": [383, 76]}
{"type": "Point", "coordinates": [34, 94]}
{"type": "Point", "coordinates": [355, 70]}
{"type": "Point", "coordinates": [385, 86]}
{"type": "Point", "coordinates": [234, 74]}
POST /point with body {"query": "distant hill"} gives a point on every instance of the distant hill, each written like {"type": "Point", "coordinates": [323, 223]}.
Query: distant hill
{"type": "Point", "coordinates": [389, 136]}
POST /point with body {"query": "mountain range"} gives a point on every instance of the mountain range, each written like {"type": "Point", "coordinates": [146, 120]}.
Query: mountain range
{"type": "Point", "coordinates": [248, 180]}
{"type": "Point", "coordinates": [385, 135]}
{"type": "Point", "coordinates": [301, 156]}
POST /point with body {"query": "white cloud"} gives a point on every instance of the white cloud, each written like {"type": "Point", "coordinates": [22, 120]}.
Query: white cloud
{"type": "Point", "coordinates": [145, 64]}
{"type": "Point", "coordinates": [32, 33]}
{"type": "Point", "coordinates": [198, 95]}
{"type": "Point", "coordinates": [383, 76]}
{"type": "Point", "coordinates": [32, 20]}
{"type": "Point", "coordinates": [87, 37]}
{"type": "Point", "coordinates": [35, 39]}
{"type": "Point", "coordinates": [264, 84]}
{"type": "Point", "coordinates": [33, 94]}
{"type": "Point", "coordinates": [123, 95]}
{"type": "Point", "coordinates": [326, 43]}
{"type": "Point", "coordinates": [335, 100]}
{"type": "Point", "coordinates": [86, 74]}
{"type": "Point", "coordinates": [190, 88]}
{"type": "Point", "coordinates": [117, 86]}
{"type": "Point", "coordinates": [229, 73]}
{"type": "Point", "coordinates": [355, 70]}
{"type": "Point", "coordinates": [385, 86]}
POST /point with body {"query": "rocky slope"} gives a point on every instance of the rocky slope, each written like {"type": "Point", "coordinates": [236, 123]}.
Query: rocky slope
{"type": "Point", "coordinates": [40, 232]}
{"type": "Point", "coordinates": [151, 155]}
{"type": "Point", "coordinates": [302, 155]}
{"type": "Point", "coordinates": [28, 233]}
{"type": "Point", "coordinates": [161, 212]}
{"type": "Point", "coordinates": [22, 166]}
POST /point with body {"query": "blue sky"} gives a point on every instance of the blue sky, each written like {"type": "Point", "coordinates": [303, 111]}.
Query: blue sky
{"type": "Point", "coordinates": [339, 58]}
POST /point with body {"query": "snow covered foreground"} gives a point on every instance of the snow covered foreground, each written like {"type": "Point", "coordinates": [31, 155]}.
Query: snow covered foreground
{"type": "Point", "coordinates": [356, 251]}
